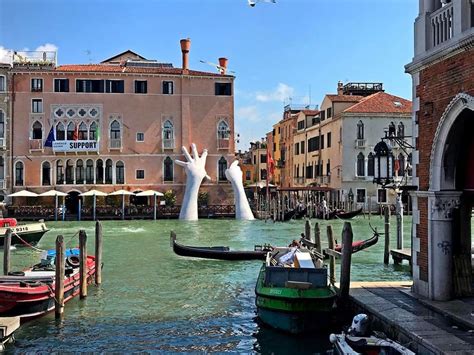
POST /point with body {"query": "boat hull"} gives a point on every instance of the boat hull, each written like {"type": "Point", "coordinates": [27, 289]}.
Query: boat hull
{"type": "Point", "coordinates": [293, 310]}
{"type": "Point", "coordinates": [30, 233]}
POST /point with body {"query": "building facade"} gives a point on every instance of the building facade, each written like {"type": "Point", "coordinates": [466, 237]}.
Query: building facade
{"type": "Point", "coordinates": [5, 120]}
{"type": "Point", "coordinates": [442, 72]}
{"type": "Point", "coordinates": [119, 124]}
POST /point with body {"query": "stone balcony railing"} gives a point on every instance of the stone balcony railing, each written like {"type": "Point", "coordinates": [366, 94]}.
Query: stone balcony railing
{"type": "Point", "coordinates": [442, 24]}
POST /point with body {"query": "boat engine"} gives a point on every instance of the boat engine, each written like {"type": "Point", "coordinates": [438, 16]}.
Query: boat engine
{"type": "Point", "coordinates": [359, 326]}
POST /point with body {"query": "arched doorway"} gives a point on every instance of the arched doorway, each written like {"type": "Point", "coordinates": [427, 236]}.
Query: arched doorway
{"type": "Point", "coordinates": [450, 202]}
{"type": "Point", "coordinates": [72, 202]}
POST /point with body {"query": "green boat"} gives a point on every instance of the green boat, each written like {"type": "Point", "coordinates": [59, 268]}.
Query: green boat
{"type": "Point", "coordinates": [294, 296]}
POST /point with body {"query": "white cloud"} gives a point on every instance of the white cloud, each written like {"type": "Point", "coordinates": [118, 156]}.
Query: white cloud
{"type": "Point", "coordinates": [47, 47]}
{"type": "Point", "coordinates": [248, 114]}
{"type": "Point", "coordinates": [6, 53]}
{"type": "Point", "coordinates": [281, 93]}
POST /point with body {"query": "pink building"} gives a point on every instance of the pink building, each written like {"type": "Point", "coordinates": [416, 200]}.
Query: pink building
{"type": "Point", "coordinates": [118, 124]}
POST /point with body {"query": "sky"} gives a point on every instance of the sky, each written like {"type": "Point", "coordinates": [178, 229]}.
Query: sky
{"type": "Point", "coordinates": [293, 51]}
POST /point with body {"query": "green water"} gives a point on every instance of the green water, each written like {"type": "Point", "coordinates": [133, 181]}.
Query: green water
{"type": "Point", "coordinates": [154, 300]}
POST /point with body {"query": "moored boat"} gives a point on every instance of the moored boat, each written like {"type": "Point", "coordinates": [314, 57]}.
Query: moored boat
{"type": "Point", "coordinates": [296, 297]}
{"type": "Point", "coordinates": [347, 215]}
{"type": "Point", "coordinates": [359, 245]}
{"type": "Point", "coordinates": [219, 252]}
{"type": "Point", "coordinates": [22, 234]}
{"type": "Point", "coordinates": [30, 293]}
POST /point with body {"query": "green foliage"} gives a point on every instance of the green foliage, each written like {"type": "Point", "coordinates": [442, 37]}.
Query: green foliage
{"type": "Point", "coordinates": [170, 197]}
{"type": "Point", "coordinates": [203, 198]}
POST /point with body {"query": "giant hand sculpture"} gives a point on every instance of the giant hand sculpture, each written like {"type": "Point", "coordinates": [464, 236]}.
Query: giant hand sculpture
{"type": "Point", "coordinates": [195, 169]}
{"type": "Point", "coordinates": [242, 208]}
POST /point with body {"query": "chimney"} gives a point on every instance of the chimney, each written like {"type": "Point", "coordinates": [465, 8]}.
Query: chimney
{"type": "Point", "coordinates": [223, 65]}
{"type": "Point", "coordinates": [185, 47]}
{"type": "Point", "coordinates": [340, 88]}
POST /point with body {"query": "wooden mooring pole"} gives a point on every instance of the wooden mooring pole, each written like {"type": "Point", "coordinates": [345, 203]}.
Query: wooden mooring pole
{"type": "Point", "coordinates": [317, 237]}
{"type": "Point", "coordinates": [345, 280]}
{"type": "Point", "coordinates": [6, 251]}
{"type": "Point", "coordinates": [332, 259]}
{"type": "Point", "coordinates": [83, 263]}
{"type": "Point", "coordinates": [386, 253]}
{"type": "Point", "coordinates": [98, 253]}
{"type": "Point", "coordinates": [307, 230]}
{"type": "Point", "coordinates": [60, 263]}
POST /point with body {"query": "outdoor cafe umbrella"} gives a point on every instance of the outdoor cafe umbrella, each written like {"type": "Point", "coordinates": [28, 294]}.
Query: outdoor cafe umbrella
{"type": "Point", "coordinates": [123, 193]}
{"type": "Point", "coordinates": [94, 194]}
{"type": "Point", "coordinates": [23, 193]}
{"type": "Point", "coordinates": [151, 193]}
{"type": "Point", "coordinates": [54, 193]}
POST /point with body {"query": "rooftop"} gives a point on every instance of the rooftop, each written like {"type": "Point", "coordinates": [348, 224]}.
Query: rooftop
{"type": "Point", "coordinates": [381, 102]}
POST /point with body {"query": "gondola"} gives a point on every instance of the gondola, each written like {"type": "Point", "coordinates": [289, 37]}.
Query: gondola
{"type": "Point", "coordinates": [347, 215]}
{"type": "Point", "coordinates": [289, 215]}
{"type": "Point", "coordinates": [219, 252]}
{"type": "Point", "coordinates": [361, 244]}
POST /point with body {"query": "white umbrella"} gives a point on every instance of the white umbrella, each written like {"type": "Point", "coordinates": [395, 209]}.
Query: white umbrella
{"type": "Point", "coordinates": [54, 193]}
{"type": "Point", "coordinates": [93, 193]}
{"type": "Point", "coordinates": [123, 193]}
{"type": "Point", "coordinates": [23, 193]}
{"type": "Point", "coordinates": [151, 193]}
{"type": "Point", "coordinates": [260, 185]}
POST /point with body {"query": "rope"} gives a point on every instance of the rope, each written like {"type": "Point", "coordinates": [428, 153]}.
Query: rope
{"type": "Point", "coordinates": [77, 233]}
{"type": "Point", "coordinates": [26, 243]}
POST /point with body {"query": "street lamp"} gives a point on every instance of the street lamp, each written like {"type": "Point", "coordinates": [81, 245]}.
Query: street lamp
{"type": "Point", "coordinates": [383, 157]}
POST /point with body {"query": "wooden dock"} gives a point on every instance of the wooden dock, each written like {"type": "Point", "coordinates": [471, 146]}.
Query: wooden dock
{"type": "Point", "coordinates": [8, 325]}
{"type": "Point", "coordinates": [398, 255]}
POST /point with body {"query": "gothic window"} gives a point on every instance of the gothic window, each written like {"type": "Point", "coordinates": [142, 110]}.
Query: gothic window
{"type": "Point", "coordinates": [263, 174]}
{"type": "Point", "coordinates": [120, 172]}
{"type": "Point", "coordinates": [222, 168]}
{"type": "Point", "coordinates": [168, 169]}
{"type": "Point", "coordinates": [79, 171]}
{"type": "Point", "coordinates": [71, 128]}
{"type": "Point", "coordinates": [391, 129]}
{"type": "Point", "coordinates": [2, 124]}
{"type": "Point", "coordinates": [360, 130]}
{"type": "Point", "coordinates": [69, 172]}
{"type": "Point", "coordinates": [401, 163]}
{"type": "Point", "coordinates": [59, 172]}
{"type": "Point", "coordinates": [60, 133]}
{"type": "Point", "coordinates": [223, 131]}
{"type": "Point", "coordinates": [37, 132]}
{"type": "Point", "coordinates": [2, 168]}
{"type": "Point", "coordinates": [108, 171]}
{"type": "Point", "coordinates": [46, 173]}
{"type": "Point", "coordinates": [370, 165]}
{"type": "Point", "coordinates": [89, 171]}
{"type": "Point", "coordinates": [401, 130]}
{"type": "Point", "coordinates": [82, 136]}
{"type": "Point", "coordinates": [99, 172]}
{"type": "Point", "coordinates": [360, 165]}
{"type": "Point", "coordinates": [93, 131]}
{"type": "Point", "coordinates": [19, 173]}
{"type": "Point", "coordinates": [115, 130]}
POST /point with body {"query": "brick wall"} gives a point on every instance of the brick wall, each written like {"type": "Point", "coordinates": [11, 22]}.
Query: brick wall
{"type": "Point", "coordinates": [422, 233]}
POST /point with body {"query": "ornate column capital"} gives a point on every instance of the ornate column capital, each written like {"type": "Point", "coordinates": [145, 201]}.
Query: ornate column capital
{"type": "Point", "coordinates": [442, 205]}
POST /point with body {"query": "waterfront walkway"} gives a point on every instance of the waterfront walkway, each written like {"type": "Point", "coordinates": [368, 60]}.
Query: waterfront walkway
{"type": "Point", "coordinates": [427, 327]}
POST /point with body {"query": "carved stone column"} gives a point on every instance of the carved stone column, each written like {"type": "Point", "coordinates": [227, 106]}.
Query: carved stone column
{"type": "Point", "coordinates": [440, 216]}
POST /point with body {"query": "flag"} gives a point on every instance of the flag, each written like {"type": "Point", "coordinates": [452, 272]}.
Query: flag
{"type": "Point", "coordinates": [50, 139]}
{"type": "Point", "coordinates": [270, 163]}
{"type": "Point", "coordinates": [397, 167]}
{"type": "Point", "coordinates": [97, 133]}
{"type": "Point", "coordinates": [75, 135]}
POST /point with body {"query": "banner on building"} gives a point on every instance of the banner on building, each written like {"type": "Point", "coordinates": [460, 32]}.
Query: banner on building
{"type": "Point", "coordinates": [75, 146]}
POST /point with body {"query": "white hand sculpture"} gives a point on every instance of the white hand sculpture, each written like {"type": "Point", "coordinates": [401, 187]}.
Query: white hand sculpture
{"type": "Point", "coordinates": [242, 208]}
{"type": "Point", "coordinates": [195, 169]}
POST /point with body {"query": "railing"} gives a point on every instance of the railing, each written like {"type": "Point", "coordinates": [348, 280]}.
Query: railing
{"type": "Point", "coordinates": [168, 143]}
{"type": "Point", "coordinates": [324, 179]}
{"type": "Point", "coordinates": [360, 143]}
{"type": "Point", "coordinates": [442, 22]}
{"type": "Point", "coordinates": [115, 144]}
{"type": "Point", "coordinates": [299, 180]}
{"type": "Point", "coordinates": [36, 144]}
{"type": "Point", "coordinates": [34, 57]}
{"type": "Point", "coordinates": [223, 143]}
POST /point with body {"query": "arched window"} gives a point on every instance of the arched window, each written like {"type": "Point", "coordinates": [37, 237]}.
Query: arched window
{"type": "Point", "coordinates": [46, 173]}
{"type": "Point", "coordinates": [360, 130]}
{"type": "Point", "coordinates": [89, 171]}
{"type": "Point", "coordinates": [2, 124]}
{"type": "Point", "coordinates": [79, 171]}
{"type": "Point", "coordinates": [401, 130]}
{"type": "Point", "coordinates": [69, 172]}
{"type": "Point", "coordinates": [168, 169]}
{"type": "Point", "coordinates": [409, 168]}
{"type": "Point", "coordinates": [108, 171]}
{"type": "Point", "coordinates": [60, 133]}
{"type": "Point", "coordinates": [2, 168]}
{"type": "Point", "coordinates": [401, 163]}
{"type": "Point", "coordinates": [223, 131]}
{"type": "Point", "coordinates": [371, 165]}
{"type": "Point", "coordinates": [37, 131]}
{"type": "Point", "coordinates": [263, 174]}
{"type": "Point", "coordinates": [360, 165]}
{"type": "Point", "coordinates": [71, 128]}
{"type": "Point", "coordinates": [391, 129]}
{"type": "Point", "coordinates": [120, 172]}
{"type": "Point", "coordinates": [222, 167]}
{"type": "Point", "coordinates": [99, 172]}
{"type": "Point", "coordinates": [19, 174]}
{"type": "Point", "coordinates": [59, 172]}
{"type": "Point", "coordinates": [93, 131]}
{"type": "Point", "coordinates": [168, 135]}
{"type": "Point", "coordinates": [82, 136]}
{"type": "Point", "coordinates": [115, 130]}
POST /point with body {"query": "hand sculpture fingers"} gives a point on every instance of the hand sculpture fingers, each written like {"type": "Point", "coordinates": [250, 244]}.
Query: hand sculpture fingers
{"type": "Point", "coordinates": [234, 164]}
{"type": "Point", "coordinates": [181, 163]}
{"type": "Point", "coordinates": [195, 152]}
{"type": "Point", "coordinates": [204, 156]}
{"type": "Point", "coordinates": [186, 154]}
{"type": "Point", "coordinates": [208, 177]}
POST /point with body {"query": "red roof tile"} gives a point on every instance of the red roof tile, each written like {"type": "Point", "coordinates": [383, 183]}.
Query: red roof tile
{"type": "Point", "coordinates": [381, 102]}
{"type": "Point", "coordinates": [310, 112]}
{"type": "Point", "coordinates": [344, 98]}
{"type": "Point", "coordinates": [108, 68]}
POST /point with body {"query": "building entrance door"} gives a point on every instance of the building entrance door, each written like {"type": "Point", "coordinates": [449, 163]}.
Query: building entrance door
{"type": "Point", "coordinates": [72, 202]}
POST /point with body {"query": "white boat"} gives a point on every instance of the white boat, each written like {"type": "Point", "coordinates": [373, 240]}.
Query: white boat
{"type": "Point", "coordinates": [22, 234]}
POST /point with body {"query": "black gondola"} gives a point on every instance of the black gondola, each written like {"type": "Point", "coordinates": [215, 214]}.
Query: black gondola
{"type": "Point", "coordinates": [289, 215]}
{"type": "Point", "coordinates": [359, 245]}
{"type": "Point", "coordinates": [220, 252]}
{"type": "Point", "coordinates": [348, 215]}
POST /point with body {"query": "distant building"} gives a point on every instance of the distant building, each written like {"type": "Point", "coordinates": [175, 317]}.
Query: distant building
{"type": "Point", "coordinates": [5, 129]}
{"type": "Point", "coordinates": [442, 71]}
{"type": "Point", "coordinates": [118, 124]}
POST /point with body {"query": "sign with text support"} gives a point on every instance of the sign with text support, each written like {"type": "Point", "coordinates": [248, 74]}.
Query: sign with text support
{"type": "Point", "coordinates": [75, 146]}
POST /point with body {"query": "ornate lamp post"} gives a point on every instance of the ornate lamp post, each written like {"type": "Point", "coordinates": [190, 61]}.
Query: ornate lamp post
{"type": "Point", "coordinates": [383, 157]}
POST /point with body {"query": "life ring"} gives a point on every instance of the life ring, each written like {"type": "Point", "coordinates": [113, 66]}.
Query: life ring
{"type": "Point", "coordinates": [16, 273]}
{"type": "Point", "coordinates": [73, 261]}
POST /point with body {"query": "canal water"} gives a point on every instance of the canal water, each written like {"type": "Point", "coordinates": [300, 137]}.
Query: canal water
{"type": "Point", "coordinates": [153, 300]}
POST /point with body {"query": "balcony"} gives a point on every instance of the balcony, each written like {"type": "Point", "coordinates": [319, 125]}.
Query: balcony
{"type": "Point", "coordinates": [223, 143]}
{"type": "Point", "coordinates": [360, 143]}
{"type": "Point", "coordinates": [168, 143]}
{"type": "Point", "coordinates": [3, 184]}
{"type": "Point", "coordinates": [442, 25]}
{"type": "Point", "coordinates": [3, 143]}
{"type": "Point", "coordinates": [299, 180]}
{"type": "Point", "coordinates": [115, 144]}
{"type": "Point", "coordinates": [36, 144]}
{"type": "Point", "coordinates": [324, 179]}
